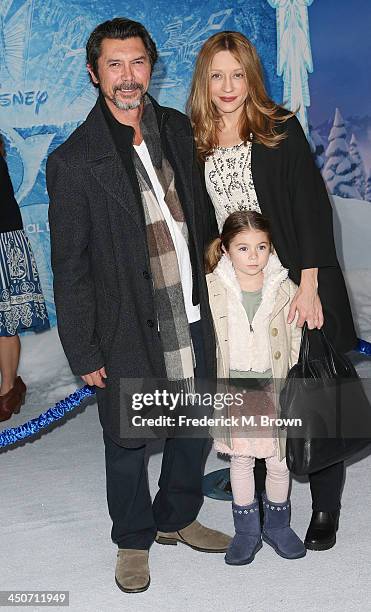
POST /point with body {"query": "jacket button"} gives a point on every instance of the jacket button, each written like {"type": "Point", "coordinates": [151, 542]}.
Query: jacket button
{"type": "Point", "coordinates": [150, 322]}
{"type": "Point", "coordinates": [146, 275]}
{"type": "Point", "coordinates": [274, 331]}
{"type": "Point", "coordinates": [277, 354]}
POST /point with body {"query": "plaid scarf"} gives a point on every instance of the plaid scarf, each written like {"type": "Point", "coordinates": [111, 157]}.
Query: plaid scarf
{"type": "Point", "coordinates": [169, 299]}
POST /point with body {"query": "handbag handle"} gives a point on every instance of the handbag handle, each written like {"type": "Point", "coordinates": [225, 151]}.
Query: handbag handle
{"type": "Point", "coordinates": [303, 359]}
{"type": "Point", "coordinates": [305, 346]}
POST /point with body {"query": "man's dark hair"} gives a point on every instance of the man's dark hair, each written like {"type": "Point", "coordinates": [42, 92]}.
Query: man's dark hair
{"type": "Point", "coordinates": [120, 28]}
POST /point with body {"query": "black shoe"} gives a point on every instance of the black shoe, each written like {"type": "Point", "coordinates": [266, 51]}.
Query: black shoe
{"type": "Point", "coordinates": [321, 534]}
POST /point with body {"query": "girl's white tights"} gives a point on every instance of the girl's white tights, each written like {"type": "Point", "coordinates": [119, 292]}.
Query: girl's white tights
{"type": "Point", "coordinates": [243, 484]}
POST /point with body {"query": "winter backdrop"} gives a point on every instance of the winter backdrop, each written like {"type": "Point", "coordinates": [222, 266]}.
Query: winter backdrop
{"type": "Point", "coordinates": [340, 122]}
{"type": "Point", "coordinates": [316, 58]}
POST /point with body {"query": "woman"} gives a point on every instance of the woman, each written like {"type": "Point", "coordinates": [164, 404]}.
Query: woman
{"type": "Point", "coordinates": [22, 305]}
{"type": "Point", "coordinates": [257, 157]}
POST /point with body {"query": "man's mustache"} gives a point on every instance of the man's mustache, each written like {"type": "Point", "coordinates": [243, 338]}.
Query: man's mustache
{"type": "Point", "coordinates": [128, 86]}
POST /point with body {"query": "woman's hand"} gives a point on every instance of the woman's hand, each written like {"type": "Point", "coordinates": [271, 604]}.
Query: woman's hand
{"type": "Point", "coordinates": [306, 302]}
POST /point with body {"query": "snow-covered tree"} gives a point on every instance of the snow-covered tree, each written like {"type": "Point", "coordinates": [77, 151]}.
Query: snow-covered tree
{"type": "Point", "coordinates": [368, 187]}
{"type": "Point", "coordinates": [337, 171]}
{"type": "Point", "coordinates": [357, 166]}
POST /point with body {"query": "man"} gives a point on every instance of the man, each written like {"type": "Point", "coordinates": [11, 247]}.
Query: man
{"type": "Point", "coordinates": [128, 222]}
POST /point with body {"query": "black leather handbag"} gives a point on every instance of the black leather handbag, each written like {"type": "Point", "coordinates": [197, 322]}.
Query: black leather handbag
{"type": "Point", "coordinates": [329, 403]}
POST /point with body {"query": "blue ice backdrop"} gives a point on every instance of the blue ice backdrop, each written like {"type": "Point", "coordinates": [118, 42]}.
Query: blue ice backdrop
{"type": "Point", "coordinates": [341, 48]}
{"type": "Point", "coordinates": [45, 92]}
{"type": "Point", "coordinates": [315, 54]}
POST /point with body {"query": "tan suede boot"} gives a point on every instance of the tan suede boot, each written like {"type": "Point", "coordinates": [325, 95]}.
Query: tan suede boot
{"type": "Point", "coordinates": [198, 537]}
{"type": "Point", "coordinates": [132, 571]}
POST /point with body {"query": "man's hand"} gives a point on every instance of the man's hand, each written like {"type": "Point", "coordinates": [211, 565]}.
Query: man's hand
{"type": "Point", "coordinates": [306, 302]}
{"type": "Point", "coordinates": [95, 378]}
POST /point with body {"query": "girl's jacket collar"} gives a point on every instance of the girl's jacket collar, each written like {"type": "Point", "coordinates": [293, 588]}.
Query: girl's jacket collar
{"type": "Point", "coordinates": [274, 275]}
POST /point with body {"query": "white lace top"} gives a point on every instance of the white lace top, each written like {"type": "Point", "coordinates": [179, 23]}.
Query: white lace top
{"type": "Point", "coordinates": [229, 181]}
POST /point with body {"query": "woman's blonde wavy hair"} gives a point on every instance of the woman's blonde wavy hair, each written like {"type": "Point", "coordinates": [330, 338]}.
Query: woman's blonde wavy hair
{"type": "Point", "coordinates": [261, 113]}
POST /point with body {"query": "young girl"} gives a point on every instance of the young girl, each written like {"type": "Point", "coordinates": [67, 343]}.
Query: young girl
{"type": "Point", "coordinates": [250, 295]}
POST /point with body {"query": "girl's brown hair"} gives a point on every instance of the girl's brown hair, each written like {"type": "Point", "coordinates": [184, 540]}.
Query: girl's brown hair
{"type": "Point", "coordinates": [260, 114]}
{"type": "Point", "coordinates": [237, 222]}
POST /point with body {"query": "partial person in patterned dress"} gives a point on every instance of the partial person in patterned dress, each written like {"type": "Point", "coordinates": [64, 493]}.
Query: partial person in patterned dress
{"type": "Point", "coordinates": [257, 157]}
{"type": "Point", "coordinates": [22, 304]}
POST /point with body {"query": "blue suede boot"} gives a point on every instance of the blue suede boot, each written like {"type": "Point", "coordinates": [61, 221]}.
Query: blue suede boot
{"type": "Point", "coordinates": [277, 531]}
{"type": "Point", "coordinates": [247, 539]}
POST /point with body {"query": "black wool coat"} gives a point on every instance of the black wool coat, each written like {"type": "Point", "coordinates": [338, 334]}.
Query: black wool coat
{"type": "Point", "coordinates": [10, 216]}
{"type": "Point", "coordinates": [102, 282]}
{"type": "Point", "coordinates": [292, 195]}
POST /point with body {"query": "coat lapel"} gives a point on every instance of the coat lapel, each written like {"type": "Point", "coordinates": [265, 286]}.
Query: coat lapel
{"type": "Point", "coordinates": [265, 181]}
{"type": "Point", "coordinates": [107, 167]}
{"type": "Point", "coordinates": [178, 149]}
{"type": "Point", "coordinates": [281, 301]}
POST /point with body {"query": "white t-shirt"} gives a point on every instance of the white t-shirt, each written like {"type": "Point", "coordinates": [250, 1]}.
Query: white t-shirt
{"type": "Point", "coordinates": [181, 247]}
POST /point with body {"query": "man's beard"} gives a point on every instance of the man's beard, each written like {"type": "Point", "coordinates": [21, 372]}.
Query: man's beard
{"type": "Point", "coordinates": [127, 86]}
